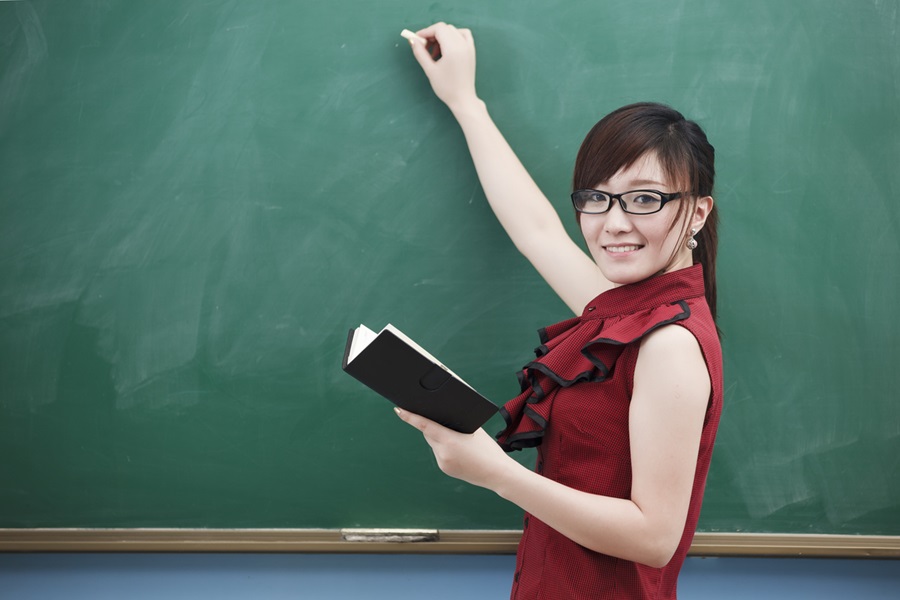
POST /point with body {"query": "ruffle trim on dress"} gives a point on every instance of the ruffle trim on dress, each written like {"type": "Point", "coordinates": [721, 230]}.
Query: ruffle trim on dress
{"type": "Point", "coordinates": [578, 350]}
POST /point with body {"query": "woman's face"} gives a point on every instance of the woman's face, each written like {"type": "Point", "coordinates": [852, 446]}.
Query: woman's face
{"type": "Point", "coordinates": [630, 248]}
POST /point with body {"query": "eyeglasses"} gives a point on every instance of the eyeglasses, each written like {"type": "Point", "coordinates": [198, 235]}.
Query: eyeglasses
{"type": "Point", "coordinates": [635, 202]}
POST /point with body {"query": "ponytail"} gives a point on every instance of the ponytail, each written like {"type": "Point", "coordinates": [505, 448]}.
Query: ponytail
{"type": "Point", "coordinates": [705, 254]}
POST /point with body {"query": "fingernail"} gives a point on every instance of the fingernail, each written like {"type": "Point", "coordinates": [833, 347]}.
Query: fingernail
{"type": "Point", "coordinates": [397, 410]}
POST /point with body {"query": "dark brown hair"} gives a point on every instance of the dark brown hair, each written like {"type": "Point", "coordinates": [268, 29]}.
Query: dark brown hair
{"type": "Point", "coordinates": [685, 155]}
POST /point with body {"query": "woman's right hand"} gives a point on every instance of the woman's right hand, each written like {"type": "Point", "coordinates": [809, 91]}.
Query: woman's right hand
{"type": "Point", "coordinates": [452, 73]}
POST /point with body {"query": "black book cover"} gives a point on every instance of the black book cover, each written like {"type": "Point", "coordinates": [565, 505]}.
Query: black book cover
{"type": "Point", "coordinates": [400, 373]}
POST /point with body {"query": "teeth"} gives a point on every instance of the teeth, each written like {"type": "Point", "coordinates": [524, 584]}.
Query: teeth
{"type": "Point", "coordinates": [622, 248]}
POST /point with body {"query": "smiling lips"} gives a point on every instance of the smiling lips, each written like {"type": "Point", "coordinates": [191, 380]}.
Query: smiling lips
{"type": "Point", "coordinates": [619, 249]}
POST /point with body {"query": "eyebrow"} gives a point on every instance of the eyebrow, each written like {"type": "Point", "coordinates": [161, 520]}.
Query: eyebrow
{"type": "Point", "coordinates": [639, 182]}
{"type": "Point", "coordinates": [643, 184]}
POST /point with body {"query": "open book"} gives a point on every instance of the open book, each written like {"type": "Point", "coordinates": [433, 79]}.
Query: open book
{"type": "Point", "coordinates": [399, 369]}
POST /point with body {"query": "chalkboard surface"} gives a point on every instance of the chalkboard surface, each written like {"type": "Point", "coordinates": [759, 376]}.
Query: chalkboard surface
{"type": "Point", "coordinates": [198, 199]}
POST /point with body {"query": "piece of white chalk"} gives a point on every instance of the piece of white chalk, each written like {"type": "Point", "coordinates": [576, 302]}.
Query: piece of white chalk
{"type": "Point", "coordinates": [412, 36]}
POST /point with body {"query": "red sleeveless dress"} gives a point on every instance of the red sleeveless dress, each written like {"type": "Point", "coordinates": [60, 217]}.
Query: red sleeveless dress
{"type": "Point", "coordinates": [574, 406]}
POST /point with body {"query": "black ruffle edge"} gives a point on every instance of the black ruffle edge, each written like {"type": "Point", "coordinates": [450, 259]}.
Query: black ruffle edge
{"type": "Point", "coordinates": [532, 439]}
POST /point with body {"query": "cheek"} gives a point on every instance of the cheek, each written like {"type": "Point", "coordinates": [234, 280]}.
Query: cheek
{"type": "Point", "coordinates": [588, 226]}
{"type": "Point", "coordinates": [664, 234]}
{"type": "Point", "coordinates": [669, 237]}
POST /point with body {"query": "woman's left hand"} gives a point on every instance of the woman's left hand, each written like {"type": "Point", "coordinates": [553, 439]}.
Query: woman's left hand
{"type": "Point", "coordinates": [473, 457]}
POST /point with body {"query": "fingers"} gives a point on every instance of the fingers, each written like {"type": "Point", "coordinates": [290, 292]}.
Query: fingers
{"type": "Point", "coordinates": [439, 35]}
{"type": "Point", "coordinates": [419, 422]}
{"type": "Point", "coordinates": [405, 416]}
{"type": "Point", "coordinates": [427, 54]}
{"type": "Point", "coordinates": [435, 31]}
{"type": "Point", "coordinates": [431, 430]}
{"type": "Point", "coordinates": [423, 57]}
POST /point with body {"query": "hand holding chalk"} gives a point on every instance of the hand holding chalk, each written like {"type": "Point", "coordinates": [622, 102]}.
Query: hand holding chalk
{"type": "Point", "coordinates": [448, 59]}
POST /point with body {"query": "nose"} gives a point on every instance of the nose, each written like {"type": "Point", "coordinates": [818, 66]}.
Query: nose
{"type": "Point", "coordinates": [617, 220]}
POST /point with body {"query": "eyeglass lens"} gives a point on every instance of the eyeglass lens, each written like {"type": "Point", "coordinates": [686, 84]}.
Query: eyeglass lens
{"type": "Point", "coordinates": [637, 202]}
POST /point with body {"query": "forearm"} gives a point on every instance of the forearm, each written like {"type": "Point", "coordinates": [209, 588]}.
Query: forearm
{"type": "Point", "coordinates": [609, 525]}
{"type": "Point", "coordinates": [612, 526]}
{"type": "Point", "coordinates": [522, 209]}
{"type": "Point", "coordinates": [528, 218]}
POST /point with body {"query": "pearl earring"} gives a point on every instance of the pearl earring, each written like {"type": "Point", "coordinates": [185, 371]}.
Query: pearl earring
{"type": "Point", "coordinates": [692, 243]}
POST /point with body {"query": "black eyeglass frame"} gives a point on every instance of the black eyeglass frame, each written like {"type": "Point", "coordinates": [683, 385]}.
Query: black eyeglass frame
{"type": "Point", "coordinates": [665, 199]}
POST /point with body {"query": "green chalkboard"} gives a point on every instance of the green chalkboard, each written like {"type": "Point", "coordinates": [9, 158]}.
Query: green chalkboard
{"type": "Point", "coordinates": [199, 198]}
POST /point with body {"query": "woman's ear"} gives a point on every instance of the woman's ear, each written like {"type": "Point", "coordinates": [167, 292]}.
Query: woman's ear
{"type": "Point", "coordinates": [702, 208]}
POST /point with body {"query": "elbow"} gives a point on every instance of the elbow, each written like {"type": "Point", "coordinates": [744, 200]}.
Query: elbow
{"type": "Point", "coordinates": [659, 552]}
{"type": "Point", "coordinates": [654, 550]}
{"type": "Point", "coordinates": [660, 539]}
{"type": "Point", "coordinates": [658, 560]}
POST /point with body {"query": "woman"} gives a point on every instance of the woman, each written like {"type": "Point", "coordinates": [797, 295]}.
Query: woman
{"type": "Point", "coordinates": [623, 401]}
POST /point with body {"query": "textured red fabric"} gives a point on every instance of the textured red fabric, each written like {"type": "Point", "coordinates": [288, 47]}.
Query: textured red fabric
{"type": "Point", "coordinates": [574, 405]}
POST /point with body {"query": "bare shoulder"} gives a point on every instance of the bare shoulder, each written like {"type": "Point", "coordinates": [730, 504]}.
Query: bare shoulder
{"type": "Point", "coordinates": [671, 360]}
{"type": "Point", "coordinates": [670, 338]}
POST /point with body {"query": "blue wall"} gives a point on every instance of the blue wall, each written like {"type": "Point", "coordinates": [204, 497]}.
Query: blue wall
{"type": "Point", "coordinates": [401, 577]}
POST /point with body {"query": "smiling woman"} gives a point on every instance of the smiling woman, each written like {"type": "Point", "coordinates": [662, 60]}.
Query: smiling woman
{"type": "Point", "coordinates": [630, 246]}
{"type": "Point", "coordinates": [622, 402]}
{"type": "Point", "coordinates": [650, 145]}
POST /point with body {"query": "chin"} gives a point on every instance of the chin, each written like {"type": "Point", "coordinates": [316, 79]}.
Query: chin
{"type": "Point", "coordinates": [622, 273]}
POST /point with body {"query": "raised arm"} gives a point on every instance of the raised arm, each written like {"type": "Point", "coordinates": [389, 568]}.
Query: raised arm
{"type": "Point", "coordinates": [522, 209]}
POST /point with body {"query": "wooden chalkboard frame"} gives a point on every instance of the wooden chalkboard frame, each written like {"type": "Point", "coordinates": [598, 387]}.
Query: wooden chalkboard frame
{"type": "Point", "coordinates": [320, 541]}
